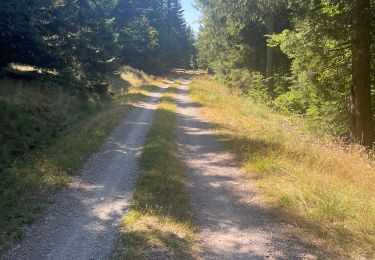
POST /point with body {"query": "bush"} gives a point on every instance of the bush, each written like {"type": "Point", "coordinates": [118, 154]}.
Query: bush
{"type": "Point", "coordinates": [252, 84]}
{"type": "Point", "coordinates": [291, 102]}
{"type": "Point", "coordinates": [328, 117]}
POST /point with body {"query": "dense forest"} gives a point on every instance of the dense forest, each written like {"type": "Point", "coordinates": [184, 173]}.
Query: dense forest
{"type": "Point", "coordinates": [72, 46]}
{"type": "Point", "coordinates": [86, 38]}
{"type": "Point", "coordinates": [311, 58]}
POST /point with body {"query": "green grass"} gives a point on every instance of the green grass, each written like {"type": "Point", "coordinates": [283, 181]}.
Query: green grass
{"type": "Point", "coordinates": [34, 113]}
{"type": "Point", "coordinates": [26, 185]}
{"type": "Point", "coordinates": [160, 223]}
{"type": "Point", "coordinates": [323, 188]}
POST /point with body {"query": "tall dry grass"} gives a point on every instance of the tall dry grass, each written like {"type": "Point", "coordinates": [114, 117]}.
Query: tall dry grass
{"type": "Point", "coordinates": [325, 189]}
{"type": "Point", "coordinates": [135, 77]}
{"type": "Point", "coordinates": [28, 68]}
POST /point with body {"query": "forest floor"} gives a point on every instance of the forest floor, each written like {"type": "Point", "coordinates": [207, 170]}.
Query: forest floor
{"type": "Point", "coordinates": [175, 176]}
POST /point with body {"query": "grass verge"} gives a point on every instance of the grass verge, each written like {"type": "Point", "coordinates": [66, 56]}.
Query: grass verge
{"type": "Point", "coordinates": [26, 186]}
{"type": "Point", "coordinates": [160, 224]}
{"type": "Point", "coordinates": [324, 189]}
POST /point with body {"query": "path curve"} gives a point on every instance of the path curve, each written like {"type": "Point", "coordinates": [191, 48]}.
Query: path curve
{"type": "Point", "coordinates": [83, 221]}
{"type": "Point", "coordinates": [233, 224]}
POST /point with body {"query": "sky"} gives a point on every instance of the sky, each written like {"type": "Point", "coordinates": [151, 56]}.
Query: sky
{"type": "Point", "coordinates": [191, 14]}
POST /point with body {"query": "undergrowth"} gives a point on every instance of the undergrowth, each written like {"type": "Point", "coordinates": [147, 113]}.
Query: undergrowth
{"type": "Point", "coordinates": [32, 114]}
{"type": "Point", "coordinates": [323, 188]}
{"type": "Point", "coordinates": [160, 223]}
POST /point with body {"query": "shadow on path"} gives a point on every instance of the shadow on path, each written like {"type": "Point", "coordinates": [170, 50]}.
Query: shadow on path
{"type": "Point", "coordinates": [234, 224]}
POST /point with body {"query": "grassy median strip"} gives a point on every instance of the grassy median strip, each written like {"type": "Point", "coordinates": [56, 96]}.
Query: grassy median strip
{"type": "Point", "coordinates": [324, 189]}
{"type": "Point", "coordinates": [160, 224]}
{"type": "Point", "coordinates": [26, 186]}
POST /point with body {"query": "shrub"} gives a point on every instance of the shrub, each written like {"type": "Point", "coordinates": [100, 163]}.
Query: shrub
{"type": "Point", "coordinates": [291, 102]}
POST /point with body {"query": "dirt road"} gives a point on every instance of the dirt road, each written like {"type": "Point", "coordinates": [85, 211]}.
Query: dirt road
{"type": "Point", "coordinates": [82, 223]}
{"type": "Point", "coordinates": [233, 224]}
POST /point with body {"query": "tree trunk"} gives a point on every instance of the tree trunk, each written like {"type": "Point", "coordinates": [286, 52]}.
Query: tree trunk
{"type": "Point", "coordinates": [270, 30]}
{"type": "Point", "coordinates": [362, 121]}
{"type": "Point", "coordinates": [270, 51]}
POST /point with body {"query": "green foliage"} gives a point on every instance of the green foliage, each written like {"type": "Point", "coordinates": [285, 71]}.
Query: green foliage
{"type": "Point", "coordinates": [307, 47]}
{"type": "Point", "coordinates": [91, 37]}
{"type": "Point", "coordinates": [193, 62]}
{"type": "Point", "coordinates": [319, 47]}
{"type": "Point", "coordinates": [20, 40]}
{"type": "Point", "coordinates": [59, 34]}
{"type": "Point", "coordinates": [153, 35]}
{"type": "Point", "coordinates": [246, 80]}
{"type": "Point", "coordinates": [233, 34]}
{"type": "Point", "coordinates": [291, 102]}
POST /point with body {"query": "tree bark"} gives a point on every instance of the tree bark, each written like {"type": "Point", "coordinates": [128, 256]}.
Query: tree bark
{"type": "Point", "coordinates": [362, 129]}
{"type": "Point", "coordinates": [270, 30]}
{"type": "Point", "coordinates": [270, 51]}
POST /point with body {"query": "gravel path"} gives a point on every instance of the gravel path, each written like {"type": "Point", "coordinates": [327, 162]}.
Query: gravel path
{"type": "Point", "coordinates": [234, 225]}
{"type": "Point", "coordinates": [82, 222]}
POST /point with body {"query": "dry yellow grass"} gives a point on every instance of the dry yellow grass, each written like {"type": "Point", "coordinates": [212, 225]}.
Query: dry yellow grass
{"type": "Point", "coordinates": [323, 188]}
{"type": "Point", "coordinates": [135, 77]}
{"type": "Point", "coordinates": [28, 68]}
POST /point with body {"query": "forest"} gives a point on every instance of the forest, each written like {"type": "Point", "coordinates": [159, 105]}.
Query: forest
{"type": "Point", "coordinates": [84, 39]}
{"type": "Point", "coordinates": [128, 133]}
{"type": "Point", "coordinates": [74, 45]}
{"type": "Point", "coordinates": [310, 58]}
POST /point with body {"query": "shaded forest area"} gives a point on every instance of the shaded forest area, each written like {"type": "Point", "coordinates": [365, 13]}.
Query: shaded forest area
{"type": "Point", "coordinates": [66, 48]}
{"type": "Point", "coordinates": [87, 37]}
{"type": "Point", "coordinates": [309, 58]}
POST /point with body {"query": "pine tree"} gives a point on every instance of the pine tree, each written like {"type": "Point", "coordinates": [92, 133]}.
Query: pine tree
{"type": "Point", "coordinates": [362, 124]}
